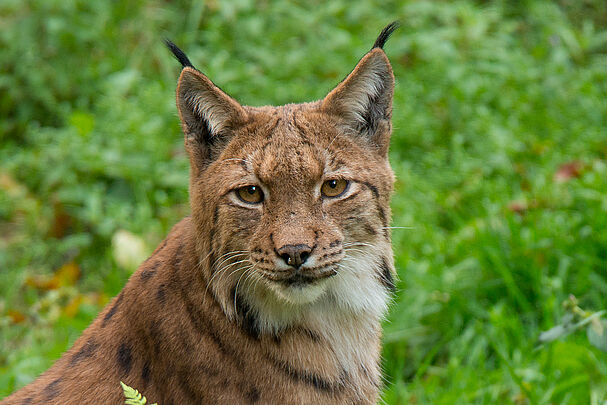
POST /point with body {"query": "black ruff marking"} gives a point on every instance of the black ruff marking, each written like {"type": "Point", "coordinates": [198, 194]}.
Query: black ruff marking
{"type": "Point", "coordinates": [112, 310]}
{"type": "Point", "coordinates": [307, 377]}
{"type": "Point", "coordinates": [145, 373]}
{"type": "Point", "coordinates": [247, 317]}
{"type": "Point", "coordinates": [161, 294]}
{"type": "Point", "coordinates": [187, 388]}
{"type": "Point", "coordinates": [124, 358]}
{"type": "Point", "coordinates": [205, 328]}
{"type": "Point", "coordinates": [86, 351]}
{"type": "Point", "coordinates": [385, 34]}
{"type": "Point", "coordinates": [179, 54]}
{"type": "Point", "coordinates": [385, 276]}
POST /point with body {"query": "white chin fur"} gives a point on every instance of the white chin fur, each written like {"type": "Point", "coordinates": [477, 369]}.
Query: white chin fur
{"type": "Point", "coordinates": [354, 291]}
{"type": "Point", "coordinates": [299, 294]}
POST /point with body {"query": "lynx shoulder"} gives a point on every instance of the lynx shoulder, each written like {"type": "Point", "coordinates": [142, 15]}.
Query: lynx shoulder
{"type": "Point", "coordinates": [272, 291]}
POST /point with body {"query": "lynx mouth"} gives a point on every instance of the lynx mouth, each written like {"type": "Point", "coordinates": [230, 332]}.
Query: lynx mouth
{"type": "Point", "coordinates": [300, 278]}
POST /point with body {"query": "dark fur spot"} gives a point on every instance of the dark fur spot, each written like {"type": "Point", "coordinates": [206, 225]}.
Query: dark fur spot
{"type": "Point", "coordinates": [145, 373]}
{"type": "Point", "coordinates": [385, 276]}
{"type": "Point", "coordinates": [52, 390]}
{"type": "Point", "coordinates": [161, 294]}
{"type": "Point", "coordinates": [336, 242]}
{"type": "Point", "coordinates": [124, 358]}
{"type": "Point", "coordinates": [253, 395]}
{"type": "Point", "coordinates": [178, 257]}
{"type": "Point", "coordinates": [112, 310]}
{"type": "Point", "coordinates": [27, 401]}
{"type": "Point", "coordinates": [86, 351]}
{"type": "Point", "coordinates": [149, 272]}
{"type": "Point", "coordinates": [368, 228]}
{"type": "Point", "coordinates": [215, 216]}
{"type": "Point", "coordinates": [156, 337]}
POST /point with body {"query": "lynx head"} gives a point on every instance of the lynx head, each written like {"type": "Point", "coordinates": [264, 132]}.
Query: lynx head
{"type": "Point", "coordinates": [291, 203]}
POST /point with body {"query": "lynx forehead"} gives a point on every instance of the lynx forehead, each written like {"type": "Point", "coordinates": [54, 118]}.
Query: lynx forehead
{"type": "Point", "coordinates": [272, 291]}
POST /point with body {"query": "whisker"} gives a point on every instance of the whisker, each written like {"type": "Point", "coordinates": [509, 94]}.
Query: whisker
{"type": "Point", "coordinates": [226, 261]}
{"type": "Point", "coordinates": [348, 244]}
{"type": "Point", "coordinates": [228, 254]}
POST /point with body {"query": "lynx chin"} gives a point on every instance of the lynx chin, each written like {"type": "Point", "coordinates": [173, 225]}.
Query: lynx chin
{"type": "Point", "coordinates": [273, 289]}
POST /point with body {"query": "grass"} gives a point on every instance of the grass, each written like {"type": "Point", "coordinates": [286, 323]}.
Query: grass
{"type": "Point", "coordinates": [493, 100]}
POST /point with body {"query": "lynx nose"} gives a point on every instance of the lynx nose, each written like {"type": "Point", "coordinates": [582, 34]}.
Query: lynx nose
{"type": "Point", "coordinates": [294, 255]}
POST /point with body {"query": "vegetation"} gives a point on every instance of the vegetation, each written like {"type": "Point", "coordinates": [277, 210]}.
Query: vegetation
{"type": "Point", "coordinates": [500, 149]}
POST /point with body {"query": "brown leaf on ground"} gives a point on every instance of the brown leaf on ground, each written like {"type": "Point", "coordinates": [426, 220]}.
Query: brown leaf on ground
{"type": "Point", "coordinates": [61, 221]}
{"type": "Point", "coordinates": [16, 316]}
{"type": "Point", "coordinates": [522, 206]}
{"type": "Point", "coordinates": [568, 171]}
{"type": "Point", "coordinates": [66, 275]}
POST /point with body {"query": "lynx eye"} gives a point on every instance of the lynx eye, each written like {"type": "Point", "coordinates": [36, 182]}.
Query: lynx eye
{"type": "Point", "coordinates": [250, 194]}
{"type": "Point", "coordinates": [334, 187]}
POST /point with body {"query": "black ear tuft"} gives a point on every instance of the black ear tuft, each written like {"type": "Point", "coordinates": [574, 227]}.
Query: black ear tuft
{"type": "Point", "coordinates": [179, 54]}
{"type": "Point", "coordinates": [385, 34]}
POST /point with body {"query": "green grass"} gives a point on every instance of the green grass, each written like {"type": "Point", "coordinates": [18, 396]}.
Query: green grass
{"type": "Point", "coordinates": [492, 99]}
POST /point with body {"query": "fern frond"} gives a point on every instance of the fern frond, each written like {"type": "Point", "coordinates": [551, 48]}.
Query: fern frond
{"type": "Point", "coordinates": [132, 396]}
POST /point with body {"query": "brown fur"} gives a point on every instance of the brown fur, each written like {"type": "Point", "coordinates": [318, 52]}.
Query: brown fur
{"type": "Point", "coordinates": [215, 316]}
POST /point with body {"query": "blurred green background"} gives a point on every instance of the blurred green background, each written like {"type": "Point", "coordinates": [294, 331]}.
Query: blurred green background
{"type": "Point", "coordinates": [499, 146]}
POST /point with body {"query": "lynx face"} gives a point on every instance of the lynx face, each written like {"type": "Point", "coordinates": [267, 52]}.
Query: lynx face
{"type": "Point", "coordinates": [291, 203]}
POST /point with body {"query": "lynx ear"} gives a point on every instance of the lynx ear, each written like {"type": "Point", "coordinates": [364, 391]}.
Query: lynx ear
{"type": "Point", "coordinates": [207, 113]}
{"type": "Point", "coordinates": [364, 99]}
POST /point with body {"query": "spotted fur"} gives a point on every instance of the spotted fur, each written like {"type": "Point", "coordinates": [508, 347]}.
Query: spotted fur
{"type": "Point", "coordinates": [220, 314]}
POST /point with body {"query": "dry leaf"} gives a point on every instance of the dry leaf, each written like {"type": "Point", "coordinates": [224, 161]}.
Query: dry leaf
{"type": "Point", "coordinates": [16, 316]}
{"type": "Point", "coordinates": [66, 275]}
{"type": "Point", "coordinates": [61, 221]}
{"type": "Point", "coordinates": [522, 206]}
{"type": "Point", "coordinates": [568, 171]}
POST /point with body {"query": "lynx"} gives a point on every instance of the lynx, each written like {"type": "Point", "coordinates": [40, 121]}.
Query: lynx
{"type": "Point", "coordinates": [273, 290]}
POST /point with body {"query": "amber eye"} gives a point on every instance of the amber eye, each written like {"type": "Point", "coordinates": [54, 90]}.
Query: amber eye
{"type": "Point", "coordinates": [250, 194]}
{"type": "Point", "coordinates": [334, 187]}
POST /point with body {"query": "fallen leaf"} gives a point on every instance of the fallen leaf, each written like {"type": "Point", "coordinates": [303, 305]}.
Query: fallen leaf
{"type": "Point", "coordinates": [66, 275]}
{"type": "Point", "coordinates": [72, 307]}
{"type": "Point", "coordinates": [16, 316]}
{"type": "Point", "coordinates": [61, 221]}
{"type": "Point", "coordinates": [568, 171]}
{"type": "Point", "coordinates": [522, 206]}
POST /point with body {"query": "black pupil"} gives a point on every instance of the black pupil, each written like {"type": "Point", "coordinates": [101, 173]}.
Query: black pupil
{"type": "Point", "coordinates": [333, 183]}
{"type": "Point", "coordinates": [251, 190]}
